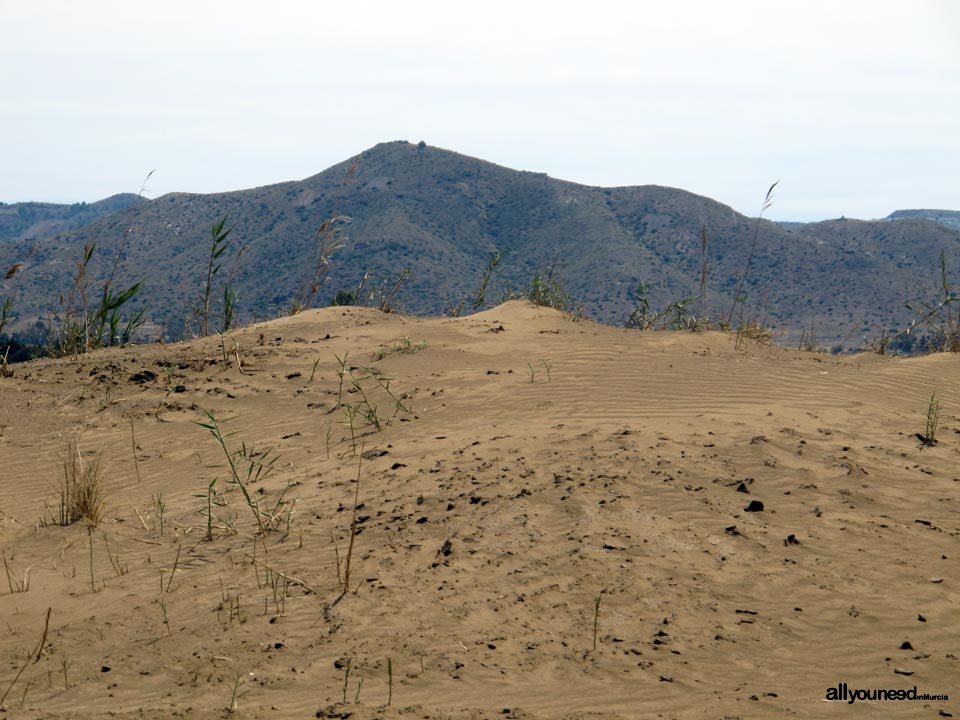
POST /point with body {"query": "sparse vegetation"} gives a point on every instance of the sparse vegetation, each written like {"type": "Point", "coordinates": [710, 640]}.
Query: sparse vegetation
{"type": "Point", "coordinates": [755, 331]}
{"type": "Point", "coordinates": [546, 290]}
{"type": "Point", "coordinates": [5, 370]}
{"type": "Point", "coordinates": [343, 578]}
{"type": "Point", "coordinates": [219, 243]}
{"type": "Point", "coordinates": [481, 295]}
{"type": "Point", "coordinates": [6, 311]}
{"type": "Point", "coordinates": [345, 297]}
{"type": "Point", "coordinates": [372, 391]}
{"type": "Point", "coordinates": [78, 329]}
{"type": "Point", "coordinates": [82, 492]}
{"type": "Point", "coordinates": [929, 436]}
{"type": "Point", "coordinates": [939, 317]}
{"type": "Point", "coordinates": [387, 293]}
{"type": "Point", "coordinates": [534, 370]}
{"type": "Point", "coordinates": [675, 316]}
{"type": "Point", "coordinates": [401, 346]}
{"type": "Point", "coordinates": [17, 582]}
{"type": "Point", "coordinates": [880, 344]}
{"type": "Point", "coordinates": [249, 466]}
{"type": "Point", "coordinates": [327, 244]}
{"type": "Point", "coordinates": [35, 657]}
{"type": "Point", "coordinates": [738, 297]}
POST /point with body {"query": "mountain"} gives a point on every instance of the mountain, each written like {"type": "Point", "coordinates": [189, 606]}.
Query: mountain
{"type": "Point", "coordinates": [28, 220]}
{"type": "Point", "coordinates": [441, 214]}
{"type": "Point", "coordinates": [950, 218]}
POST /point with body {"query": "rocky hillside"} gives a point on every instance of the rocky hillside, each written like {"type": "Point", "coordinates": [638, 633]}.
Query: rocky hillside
{"type": "Point", "coordinates": [440, 215]}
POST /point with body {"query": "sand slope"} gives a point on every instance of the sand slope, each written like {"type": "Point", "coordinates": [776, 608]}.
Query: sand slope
{"type": "Point", "coordinates": [543, 463]}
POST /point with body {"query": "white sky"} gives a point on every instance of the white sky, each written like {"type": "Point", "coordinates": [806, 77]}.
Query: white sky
{"type": "Point", "coordinates": [855, 105]}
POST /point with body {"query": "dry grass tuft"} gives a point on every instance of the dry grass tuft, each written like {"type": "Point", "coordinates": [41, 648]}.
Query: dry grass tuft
{"type": "Point", "coordinates": [756, 331]}
{"type": "Point", "coordinates": [82, 494]}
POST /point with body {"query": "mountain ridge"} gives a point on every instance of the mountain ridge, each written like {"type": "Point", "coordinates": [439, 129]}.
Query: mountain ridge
{"type": "Point", "coordinates": [441, 214]}
{"type": "Point", "coordinates": [31, 220]}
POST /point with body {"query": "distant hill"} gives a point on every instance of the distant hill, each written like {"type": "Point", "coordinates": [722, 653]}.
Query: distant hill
{"type": "Point", "coordinates": [27, 220]}
{"type": "Point", "coordinates": [441, 214]}
{"type": "Point", "coordinates": [950, 218]}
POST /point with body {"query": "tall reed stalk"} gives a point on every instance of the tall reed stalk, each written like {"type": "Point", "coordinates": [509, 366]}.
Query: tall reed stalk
{"type": "Point", "coordinates": [738, 296]}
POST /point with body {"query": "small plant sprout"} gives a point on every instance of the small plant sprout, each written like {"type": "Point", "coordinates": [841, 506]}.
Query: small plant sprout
{"type": "Point", "coordinates": [341, 373]}
{"type": "Point", "coordinates": [390, 681]}
{"type": "Point", "coordinates": [93, 583]}
{"type": "Point", "coordinates": [163, 609]}
{"type": "Point", "coordinates": [119, 568]}
{"type": "Point", "coordinates": [596, 619]}
{"type": "Point", "coordinates": [233, 698]}
{"type": "Point", "coordinates": [160, 506]}
{"type": "Point", "coordinates": [133, 444]}
{"type": "Point", "coordinates": [346, 678]}
{"type": "Point", "coordinates": [209, 496]}
{"type": "Point", "coordinates": [64, 666]}
{"type": "Point", "coordinates": [535, 369]}
{"type": "Point", "coordinates": [343, 580]}
{"type": "Point", "coordinates": [492, 264]}
{"type": "Point", "coordinates": [929, 436]}
{"type": "Point", "coordinates": [213, 499]}
{"type": "Point", "coordinates": [356, 697]}
{"type": "Point", "coordinates": [176, 563]}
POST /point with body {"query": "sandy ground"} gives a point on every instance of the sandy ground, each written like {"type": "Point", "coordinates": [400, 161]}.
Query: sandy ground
{"type": "Point", "coordinates": [527, 466]}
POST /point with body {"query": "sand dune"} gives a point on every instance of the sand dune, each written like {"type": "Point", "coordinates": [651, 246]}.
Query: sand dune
{"type": "Point", "coordinates": [527, 465]}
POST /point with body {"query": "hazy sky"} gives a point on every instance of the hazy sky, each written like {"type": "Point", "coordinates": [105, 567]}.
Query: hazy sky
{"type": "Point", "coordinates": [855, 105]}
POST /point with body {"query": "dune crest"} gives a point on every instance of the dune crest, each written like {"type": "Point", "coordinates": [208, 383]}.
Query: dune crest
{"type": "Point", "coordinates": [744, 528]}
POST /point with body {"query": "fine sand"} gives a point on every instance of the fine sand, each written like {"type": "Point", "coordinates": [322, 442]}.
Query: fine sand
{"type": "Point", "coordinates": [527, 465]}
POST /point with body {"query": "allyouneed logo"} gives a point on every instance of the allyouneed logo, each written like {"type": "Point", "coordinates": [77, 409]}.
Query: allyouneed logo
{"type": "Point", "coordinates": [844, 693]}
